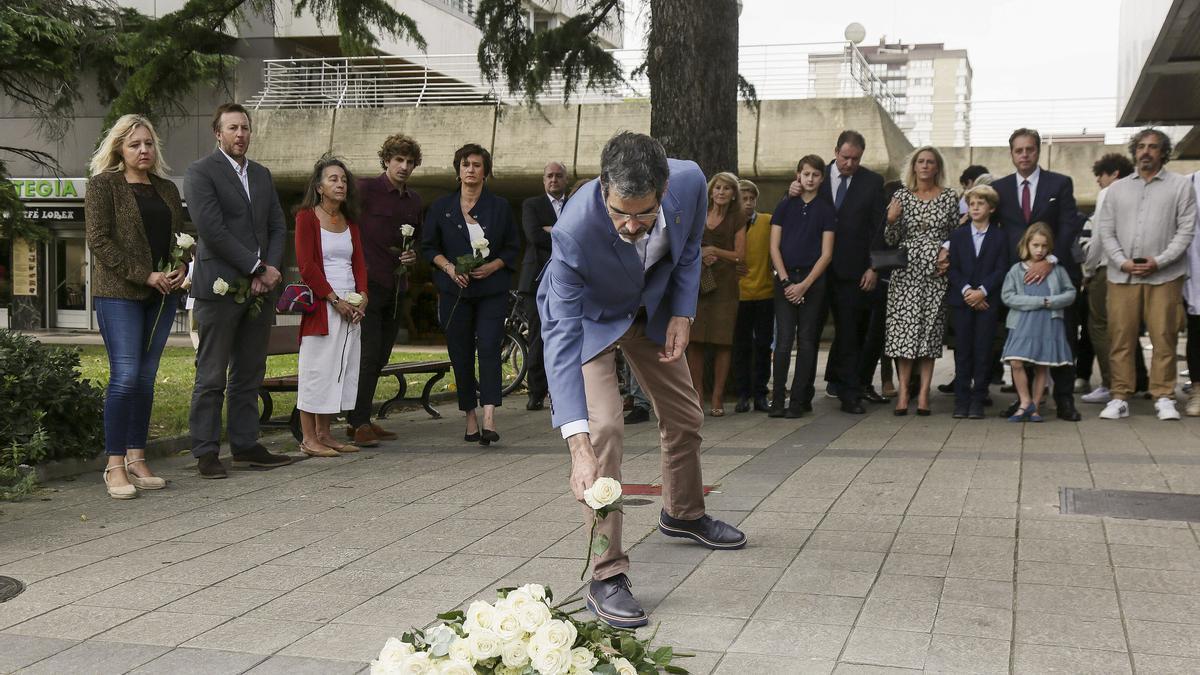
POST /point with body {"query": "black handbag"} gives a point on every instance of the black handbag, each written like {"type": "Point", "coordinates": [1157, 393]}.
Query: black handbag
{"type": "Point", "coordinates": [886, 260]}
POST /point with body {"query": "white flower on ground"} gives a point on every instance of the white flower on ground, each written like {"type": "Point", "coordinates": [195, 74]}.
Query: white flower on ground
{"type": "Point", "coordinates": [354, 299]}
{"type": "Point", "coordinates": [583, 660]}
{"type": "Point", "coordinates": [549, 661]}
{"type": "Point", "coordinates": [602, 493]}
{"type": "Point", "coordinates": [184, 241]}
{"type": "Point", "coordinates": [516, 600]}
{"type": "Point", "coordinates": [623, 666]}
{"type": "Point", "coordinates": [391, 657]}
{"type": "Point", "coordinates": [515, 653]}
{"type": "Point", "coordinates": [461, 651]}
{"type": "Point", "coordinates": [439, 638]}
{"type": "Point", "coordinates": [506, 625]}
{"type": "Point", "coordinates": [535, 591]}
{"type": "Point", "coordinates": [220, 286]}
{"type": "Point", "coordinates": [407, 230]}
{"type": "Point", "coordinates": [557, 634]}
{"type": "Point", "coordinates": [480, 615]}
{"type": "Point", "coordinates": [533, 615]}
{"type": "Point", "coordinates": [418, 663]}
{"type": "Point", "coordinates": [454, 667]}
{"type": "Point", "coordinates": [483, 644]}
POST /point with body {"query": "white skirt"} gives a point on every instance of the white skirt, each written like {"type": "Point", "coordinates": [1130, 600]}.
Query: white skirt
{"type": "Point", "coordinates": [328, 366]}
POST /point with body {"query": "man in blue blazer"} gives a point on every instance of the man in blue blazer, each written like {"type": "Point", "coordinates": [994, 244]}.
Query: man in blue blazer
{"type": "Point", "coordinates": [625, 272]}
{"type": "Point", "coordinates": [1034, 195]}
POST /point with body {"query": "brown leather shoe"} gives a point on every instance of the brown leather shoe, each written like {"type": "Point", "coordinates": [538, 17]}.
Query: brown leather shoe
{"type": "Point", "coordinates": [364, 437]}
{"type": "Point", "coordinates": [383, 434]}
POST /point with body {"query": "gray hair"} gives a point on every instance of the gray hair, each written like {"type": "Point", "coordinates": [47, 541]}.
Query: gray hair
{"type": "Point", "coordinates": [555, 162]}
{"type": "Point", "coordinates": [633, 164]}
{"type": "Point", "coordinates": [1163, 140]}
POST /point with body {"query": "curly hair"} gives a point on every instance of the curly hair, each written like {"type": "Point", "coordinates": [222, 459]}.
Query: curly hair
{"type": "Point", "coordinates": [1164, 141]}
{"type": "Point", "coordinates": [398, 145]}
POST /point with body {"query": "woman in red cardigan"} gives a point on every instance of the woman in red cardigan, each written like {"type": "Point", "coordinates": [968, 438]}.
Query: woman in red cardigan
{"type": "Point", "coordinates": [330, 255]}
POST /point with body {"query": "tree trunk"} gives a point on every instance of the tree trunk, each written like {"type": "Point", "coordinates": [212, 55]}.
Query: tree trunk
{"type": "Point", "coordinates": [692, 54]}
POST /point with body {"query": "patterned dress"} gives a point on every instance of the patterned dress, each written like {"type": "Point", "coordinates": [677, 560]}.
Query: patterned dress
{"type": "Point", "coordinates": [916, 309]}
{"type": "Point", "coordinates": [716, 312]}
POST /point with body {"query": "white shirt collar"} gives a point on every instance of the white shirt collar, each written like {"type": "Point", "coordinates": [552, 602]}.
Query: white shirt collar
{"type": "Point", "coordinates": [239, 169]}
{"type": "Point", "coordinates": [978, 232]}
{"type": "Point", "coordinates": [1033, 179]}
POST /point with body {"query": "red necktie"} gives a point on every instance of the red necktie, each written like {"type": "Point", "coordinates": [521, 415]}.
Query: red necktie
{"type": "Point", "coordinates": [1026, 207]}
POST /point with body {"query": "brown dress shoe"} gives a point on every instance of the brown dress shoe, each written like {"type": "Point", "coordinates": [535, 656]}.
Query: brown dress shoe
{"type": "Point", "coordinates": [382, 434]}
{"type": "Point", "coordinates": [364, 437]}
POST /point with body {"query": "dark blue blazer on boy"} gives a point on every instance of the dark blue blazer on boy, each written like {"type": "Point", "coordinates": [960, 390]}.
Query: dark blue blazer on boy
{"type": "Point", "coordinates": [987, 269]}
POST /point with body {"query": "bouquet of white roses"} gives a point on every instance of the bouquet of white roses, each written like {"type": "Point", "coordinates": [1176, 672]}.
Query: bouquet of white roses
{"type": "Point", "coordinates": [522, 633]}
{"type": "Point", "coordinates": [179, 255]}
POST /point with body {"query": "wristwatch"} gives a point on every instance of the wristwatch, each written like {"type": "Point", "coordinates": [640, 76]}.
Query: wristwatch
{"type": "Point", "coordinates": [260, 270]}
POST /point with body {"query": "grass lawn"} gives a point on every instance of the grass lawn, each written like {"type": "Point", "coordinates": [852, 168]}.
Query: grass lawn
{"type": "Point", "coordinates": [177, 371]}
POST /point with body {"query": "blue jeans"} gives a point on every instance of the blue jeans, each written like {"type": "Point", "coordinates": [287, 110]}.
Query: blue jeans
{"type": "Point", "coordinates": [126, 326]}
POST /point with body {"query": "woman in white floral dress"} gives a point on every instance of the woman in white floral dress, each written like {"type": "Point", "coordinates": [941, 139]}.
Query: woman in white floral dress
{"type": "Point", "coordinates": [919, 219]}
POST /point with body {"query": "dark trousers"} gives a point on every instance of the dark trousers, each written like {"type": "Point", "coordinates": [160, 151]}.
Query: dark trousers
{"type": "Point", "coordinates": [231, 361]}
{"type": "Point", "coordinates": [1193, 348]}
{"type": "Point", "coordinates": [1085, 355]}
{"type": "Point", "coordinates": [799, 325]}
{"type": "Point", "coordinates": [973, 335]}
{"type": "Point", "coordinates": [379, 328]}
{"type": "Point", "coordinates": [1064, 376]}
{"type": "Point", "coordinates": [135, 333]}
{"type": "Point", "coordinates": [535, 376]}
{"type": "Point", "coordinates": [872, 345]}
{"type": "Point", "coordinates": [474, 325]}
{"type": "Point", "coordinates": [752, 336]}
{"type": "Point", "coordinates": [851, 316]}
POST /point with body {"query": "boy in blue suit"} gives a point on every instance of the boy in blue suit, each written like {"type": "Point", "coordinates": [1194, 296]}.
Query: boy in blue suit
{"type": "Point", "coordinates": [625, 271]}
{"type": "Point", "coordinates": [979, 259]}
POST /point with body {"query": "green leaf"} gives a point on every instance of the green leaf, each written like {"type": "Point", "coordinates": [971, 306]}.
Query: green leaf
{"type": "Point", "coordinates": [600, 545]}
{"type": "Point", "coordinates": [456, 615]}
{"type": "Point", "coordinates": [604, 669]}
{"type": "Point", "coordinates": [662, 656]}
{"type": "Point", "coordinates": [677, 670]}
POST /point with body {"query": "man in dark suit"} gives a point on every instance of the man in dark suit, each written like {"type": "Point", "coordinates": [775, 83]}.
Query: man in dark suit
{"type": "Point", "coordinates": [538, 216]}
{"type": "Point", "coordinates": [1034, 195]}
{"type": "Point", "coordinates": [233, 203]}
{"type": "Point", "coordinates": [857, 196]}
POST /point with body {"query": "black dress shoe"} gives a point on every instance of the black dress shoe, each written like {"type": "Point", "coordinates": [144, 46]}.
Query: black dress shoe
{"type": "Point", "coordinates": [535, 403]}
{"type": "Point", "coordinates": [761, 404]}
{"type": "Point", "coordinates": [946, 388]}
{"type": "Point", "coordinates": [210, 466]}
{"type": "Point", "coordinates": [853, 408]}
{"type": "Point", "coordinates": [488, 436]}
{"type": "Point", "coordinates": [705, 530]}
{"type": "Point", "coordinates": [612, 601]}
{"type": "Point", "coordinates": [924, 412]}
{"type": "Point", "coordinates": [987, 401]}
{"type": "Point", "coordinates": [261, 457]}
{"type": "Point", "coordinates": [777, 411]}
{"type": "Point", "coordinates": [471, 438]}
{"type": "Point", "coordinates": [975, 411]}
{"type": "Point", "coordinates": [793, 412]}
{"type": "Point", "coordinates": [873, 396]}
{"type": "Point", "coordinates": [743, 405]}
{"type": "Point", "coordinates": [1067, 411]}
{"type": "Point", "coordinates": [637, 416]}
{"type": "Point", "coordinates": [805, 406]}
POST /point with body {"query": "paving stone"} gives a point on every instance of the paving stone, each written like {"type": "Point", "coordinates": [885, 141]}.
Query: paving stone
{"type": "Point", "coordinates": [981, 567]}
{"type": "Point", "coordinates": [274, 577]}
{"type": "Point", "coordinates": [910, 615]}
{"type": "Point", "coordinates": [18, 651]}
{"type": "Point", "coordinates": [1056, 574]}
{"type": "Point", "coordinates": [826, 582]}
{"type": "Point", "coordinates": [355, 643]}
{"type": "Point", "coordinates": [303, 606]}
{"type": "Point", "coordinates": [1060, 531]}
{"type": "Point", "coordinates": [17, 610]}
{"type": "Point", "coordinates": [1158, 581]}
{"type": "Point", "coordinates": [225, 601]}
{"type": "Point", "coordinates": [1170, 639]}
{"type": "Point", "coordinates": [1154, 557]}
{"type": "Point", "coordinates": [167, 629]}
{"type": "Point", "coordinates": [256, 636]}
{"type": "Point", "coordinates": [923, 544]}
{"type": "Point", "coordinates": [784, 638]}
{"type": "Point", "coordinates": [808, 608]}
{"type": "Point", "coordinates": [878, 542]}
{"type": "Point", "coordinates": [1161, 607]}
{"type": "Point", "coordinates": [1069, 631]}
{"type": "Point", "coordinates": [711, 575]}
{"type": "Point", "coordinates": [930, 525]}
{"type": "Point", "coordinates": [200, 662]}
{"type": "Point", "coordinates": [853, 522]}
{"type": "Point", "coordinates": [1163, 665]}
{"type": "Point", "coordinates": [961, 654]}
{"type": "Point", "coordinates": [917, 565]}
{"type": "Point", "coordinates": [1067, 600]}
{"type": "Point", "coordinates": [693, 632]}
{"type": "Point", "coordinates": [1068, 552]}
{"type": "Point", "coordinates": [1038, 659]}
{"type": "Point", "coordinates": [299, 665]}
{"type": "Point", "coordinates": [987, 527]}
{"type": "Point", "coordinates": [73, 622]}
{"type": "Point", "coordinates": [394, 612]}
{"type": "Point", "coordinates": [884, 647]}
{"type": "Point", "coordinates": [740, 664]}
{"type": "Point", "coordinates": [143, 595]}
{"type": "Point", "coordinates": [728, 602]}
{"type": "Point", "coordinates": [97, 657]}
{"type": "Point", "coordinates": [974, 621]}
{"type": "Point", "coordinates": [905, 587]}
{"type": "Point", "coordinates": [861, 669]}
{"type": "Point", "coordinates": [1140, 535]}
{"type": "Point", "coordinates": [981, 592]}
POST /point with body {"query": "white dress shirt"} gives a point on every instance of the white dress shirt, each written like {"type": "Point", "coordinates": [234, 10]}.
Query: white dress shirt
{"type": "Point", "coordinates": [1033, 183]}
{"type": "Point", "coordinates": [556, 204]}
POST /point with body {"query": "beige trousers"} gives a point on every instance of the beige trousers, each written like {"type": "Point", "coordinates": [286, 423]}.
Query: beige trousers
{"type": "Point", "coordinates": [1159, 305]}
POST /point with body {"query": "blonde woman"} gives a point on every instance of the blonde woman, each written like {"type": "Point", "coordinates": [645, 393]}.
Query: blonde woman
{"type": "Point", "coordinates": [721, 250]}
{"type": "Point", "coordinates": [919, 218]}
{"type": "Point", "coordinates": [133, 214]}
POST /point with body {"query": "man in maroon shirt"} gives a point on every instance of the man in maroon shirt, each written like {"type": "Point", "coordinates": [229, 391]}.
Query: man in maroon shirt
{"type": "Point", "coordinates": [388, 206]}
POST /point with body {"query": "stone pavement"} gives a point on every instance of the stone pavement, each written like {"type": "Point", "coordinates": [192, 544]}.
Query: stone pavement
{"type": "Point", "coordinates": [877, 543]}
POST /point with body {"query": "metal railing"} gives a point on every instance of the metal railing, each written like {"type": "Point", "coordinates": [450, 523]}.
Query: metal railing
{"type": "Point", "coordinates": [791, 71]}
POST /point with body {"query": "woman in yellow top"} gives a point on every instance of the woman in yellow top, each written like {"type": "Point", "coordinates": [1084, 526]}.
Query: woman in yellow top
{"type": "Point", "coordinates": [755, 327]}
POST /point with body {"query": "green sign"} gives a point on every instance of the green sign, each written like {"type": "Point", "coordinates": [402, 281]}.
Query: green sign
{"type": "Point", "coordinates": [49, 188]}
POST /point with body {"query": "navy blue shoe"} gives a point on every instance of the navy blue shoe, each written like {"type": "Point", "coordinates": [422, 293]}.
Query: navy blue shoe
{"type": "Point", "coordinates": [705, 530]}
{"type": "Point", "coordinates": [612, 601]}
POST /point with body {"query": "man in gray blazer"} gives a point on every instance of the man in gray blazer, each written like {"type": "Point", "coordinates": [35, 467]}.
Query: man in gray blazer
{"type": "Point", "coordinates": [233, 203]}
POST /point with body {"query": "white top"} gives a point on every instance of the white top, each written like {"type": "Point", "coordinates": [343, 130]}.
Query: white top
{"type": "Point", "coordinates": [1191, 287]}
{"type": "Point", "coordinates": [556, 203]}
{"type": "Point", "coordinates": [475, 231]}
{"type": "Point", "coordinates": [337, 249]}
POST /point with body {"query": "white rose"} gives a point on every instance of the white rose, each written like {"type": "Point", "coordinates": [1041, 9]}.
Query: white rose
{"type": "Point", "coordinates": [407, 230]}
{"type": "Point", "coordinates": [461, 651]}
{"type": "Point", "coordinates": [354, 299]}
{"type": "Point", "coordinates": [480, 244]}
{"type": "Point", "coordinates": [506, 626]}
{"type": "Point", "coordinates": [483, 645]}
{"type": "Point", "coordinates": [603, 492]}
{"type": "Point", "coordinates": [535, 591]}
{"type": "Point", "coordinates": [184, 241]}
{"type": "Point", "coordinates": [439, 638]}
{"type": "Point", "coordinates": [480, 615]}
{"type": "Point", "coordinates": [515, 653]}
{"type": "Point", "coordinates": [517, 599]}
{"type": "Point", "coordinates": [558, 634]}
{"type": "Point", "coordinates": [220, 286]}
{"type": "Point", "coordinates": [623, 666]}
{"type": "Point", "coordinates": [552, 661]}
{"type": "Point", "coordinates": [455, 667]}
{"type": "Point", "coordinates": [378, 668]}
{"type": "Point", "coordinates": [418, 663]}
{"type": "Point", "coordinates": [533, 615]}
{"type": "Point", "coordinates": [583, 660]}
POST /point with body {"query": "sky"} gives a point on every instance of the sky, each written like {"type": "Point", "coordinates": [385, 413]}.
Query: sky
{"type": "Point", "coordinates": [1078, 38]}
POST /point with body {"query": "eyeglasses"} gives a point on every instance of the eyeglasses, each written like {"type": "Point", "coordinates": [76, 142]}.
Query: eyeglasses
{"type": "Point", "coordinates": [619, 218]}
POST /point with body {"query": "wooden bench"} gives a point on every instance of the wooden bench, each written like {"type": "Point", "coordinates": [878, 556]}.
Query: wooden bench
{"type": "Point", "coordinates": [285, 340]}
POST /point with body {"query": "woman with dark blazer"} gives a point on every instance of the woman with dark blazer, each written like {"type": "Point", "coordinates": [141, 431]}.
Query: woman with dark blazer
{"type": "Point", "coordinates": [133, 216]}
{"type": "Point", "coordinates": [472, 306]}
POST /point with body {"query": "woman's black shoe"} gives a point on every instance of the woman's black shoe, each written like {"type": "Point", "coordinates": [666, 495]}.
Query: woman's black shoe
{"type": "Point", "coordinates": [489, 437]}
{"type": "Point", "coordinates": [900, 412]}
{"type": "Point", "coordinates": [471, 438]}
{"type": "Point", "coordinates": [923, 412]}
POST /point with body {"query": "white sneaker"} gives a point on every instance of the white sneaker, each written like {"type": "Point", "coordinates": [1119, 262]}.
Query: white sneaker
{"type": "Point", "coordinates": [1166, 409]}
{"type": "Point", "coordinates": [1100, 394]}
{"type": "Point", "coordinates": [1115, 410]}
{"type": "Point", "coordinates": [1193, 404]}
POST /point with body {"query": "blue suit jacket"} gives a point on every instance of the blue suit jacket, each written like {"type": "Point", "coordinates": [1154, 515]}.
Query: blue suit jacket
{"type": "Point", "coordinates": [594, 284]}
{"type": "Point", "coordinates": [1053, 204]}
{"type": "Point", "coordinates": [986, 270]}
{"type": "Point", "coordinates": [446, 232]}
